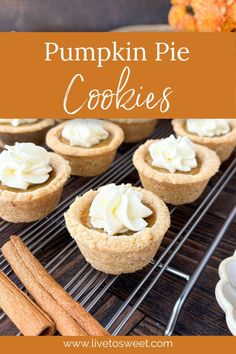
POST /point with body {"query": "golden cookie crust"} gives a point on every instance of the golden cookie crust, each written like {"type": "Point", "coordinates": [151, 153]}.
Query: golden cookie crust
{"type": "Point", "coordinates": [117, 254]}
{"type": "Point", "coordinates": [29, 206]}
{"type": "Point", "coordinates": [87, 162]}
{"type": "Point", "coordinates": [222, 145]}
{"type": "Point", "coordinates": [176, 188]}
{"type": "Point", "coordinates": [34, 132]}
{"type": "Point", "coordinates": [136, 129]}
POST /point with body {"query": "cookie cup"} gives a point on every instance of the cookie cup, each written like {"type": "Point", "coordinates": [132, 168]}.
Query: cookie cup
{"type": "Point", "coordinates": [176, 188]}
{"type": "Point", "coordinates": [117, 254]}
{"type": "Point", "coordinates": [87, 162]}
{"type": "Point", "coordinates": [222, 145]}
{"type": "Point", "coordinates": [33, 133]}
{"type": "Point", "coordinates": [28, 206]}
{"type": "Point", "coordinates": [136, 129]}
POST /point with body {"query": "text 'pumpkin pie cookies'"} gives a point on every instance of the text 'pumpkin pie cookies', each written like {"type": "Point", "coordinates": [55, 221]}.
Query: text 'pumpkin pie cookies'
{"type": "Point", "coordinates": [175, 169]}
{"type": "Point", "coordinates": [118, 229]}
{"type": "Point", "coordinates": [136, 130]}
{"type": "Point", "coordinates": [24, 130]}
{"type": "Point", "coordinates": [31, 182]}
{"type": "Point", "coordinates": [89, 145]}
{"type": "Point", "coordinates": [216, 134]}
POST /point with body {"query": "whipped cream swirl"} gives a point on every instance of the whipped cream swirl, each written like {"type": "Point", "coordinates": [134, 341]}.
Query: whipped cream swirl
{"type": "Point", "coordinates": [15, 122]}
{"type": "Point", "coordinates": [118, 209]}
{"type": "Point", "coordinates": [173, 154]}
{"type": "Point", "coordinates": [208, 127]}
{"type": "Point", "coordinates": [84, 132]}
{"type": "Point", "coordinates": [24, 164]}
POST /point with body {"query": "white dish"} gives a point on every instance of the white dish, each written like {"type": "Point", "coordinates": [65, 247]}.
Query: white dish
{"type": "Point", "coordinates": [226, 291]}
{"type": "Point", "coordinates": [144, 28]}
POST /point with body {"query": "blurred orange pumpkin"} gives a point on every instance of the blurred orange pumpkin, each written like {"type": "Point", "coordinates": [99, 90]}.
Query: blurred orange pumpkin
{"type": "Point", "coordinates": [203, 15]}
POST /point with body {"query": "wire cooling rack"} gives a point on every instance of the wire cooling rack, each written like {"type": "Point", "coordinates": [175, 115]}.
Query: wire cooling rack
{"type": "Point", "coordinates": [89, 286]}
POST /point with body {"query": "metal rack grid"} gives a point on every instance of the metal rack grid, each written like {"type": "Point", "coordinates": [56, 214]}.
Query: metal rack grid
{"type": "Point", "coordinates": [89, 286]}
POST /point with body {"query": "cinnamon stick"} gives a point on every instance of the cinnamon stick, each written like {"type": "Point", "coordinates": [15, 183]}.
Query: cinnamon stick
{"type": "Point", "coordinates": [69, 316]}
{"type": "Point", "coordinates": [22, 311]}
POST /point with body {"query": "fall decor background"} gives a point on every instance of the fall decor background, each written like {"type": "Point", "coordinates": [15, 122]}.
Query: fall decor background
{"type": "Point", "coordinates": [203, 15]}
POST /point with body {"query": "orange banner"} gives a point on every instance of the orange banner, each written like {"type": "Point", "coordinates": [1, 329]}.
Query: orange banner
{"type": "Point", "coordinates": [118, 75]}
{"type": "Point", "coordinates": [142, 345]}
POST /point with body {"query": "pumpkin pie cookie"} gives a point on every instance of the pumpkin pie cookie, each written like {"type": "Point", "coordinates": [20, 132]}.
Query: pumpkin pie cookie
{"type": "Point", "coordinates": [216, 134]}
{"type": "Point", "coordinates": [31, 182]}
{"type": "Point", "coordinates": [89, 145]}
{"type": "Point", "coordinates": [118, 229]}
{"type": "Point", "coordinates": [24, 130]}
{"type": "Point", "coordinates": [176, 170]}
{"type": "Point", "coordinates": [136, 129]}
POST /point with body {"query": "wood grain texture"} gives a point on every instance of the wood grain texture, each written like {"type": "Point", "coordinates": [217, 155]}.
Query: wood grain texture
{"type": "Point", "coordinates": [201, 314]}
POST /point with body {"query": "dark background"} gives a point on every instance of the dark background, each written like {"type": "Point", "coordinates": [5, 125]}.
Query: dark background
{"type": "Point", "coordinates": [79, 15]}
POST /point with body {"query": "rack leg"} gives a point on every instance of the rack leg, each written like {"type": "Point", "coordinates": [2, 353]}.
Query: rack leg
{"type": "Point", "coordinates": [193, 279]}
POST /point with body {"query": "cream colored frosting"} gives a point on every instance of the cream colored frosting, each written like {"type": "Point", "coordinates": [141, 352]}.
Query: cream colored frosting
{"type": "Point", "coordinates": [118, 209]}
{"type": "Point", "coordinates": [208, 127]}
{"type": "Point", "coordinates": [173, 154]}
{"type": "Point", "coordinates": [24, 164]}
{"type": "Point", "coordinates": [84, 132]}
{"type": "Point", "coordinates": [15, 122]}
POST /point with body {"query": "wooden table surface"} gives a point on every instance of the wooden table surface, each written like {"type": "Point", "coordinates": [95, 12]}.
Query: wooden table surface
{"type": "Point", "coordinates": [201, 314]}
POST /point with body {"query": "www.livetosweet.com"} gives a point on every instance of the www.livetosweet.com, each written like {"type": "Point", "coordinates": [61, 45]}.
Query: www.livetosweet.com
{"type": "Point", "coordinates": [115, 343]}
